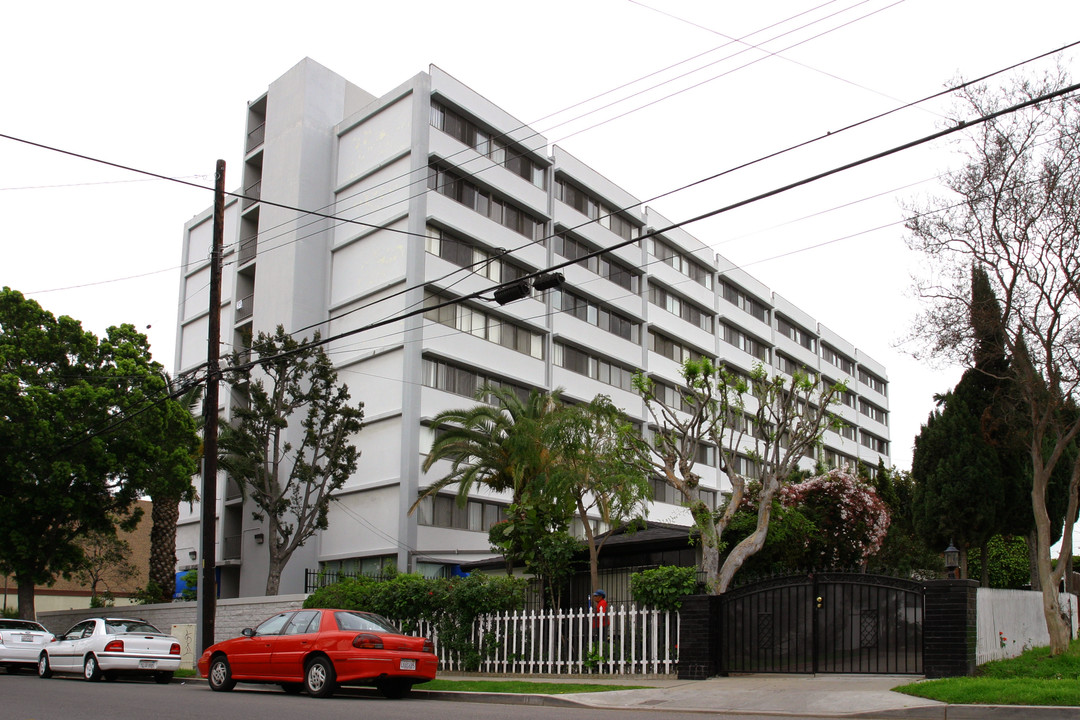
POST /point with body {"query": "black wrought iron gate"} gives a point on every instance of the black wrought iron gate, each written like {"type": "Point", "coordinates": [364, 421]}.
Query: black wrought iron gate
{"type": "Point", "coordinates": [823, 623]}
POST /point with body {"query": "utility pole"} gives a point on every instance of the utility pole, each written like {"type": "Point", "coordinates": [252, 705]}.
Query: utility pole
{"type": "Point", "coordinates": [206, 605]}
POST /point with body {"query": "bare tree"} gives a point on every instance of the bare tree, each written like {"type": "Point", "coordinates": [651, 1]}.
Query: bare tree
{"type": "Point", "coordinates": [761, 425]}
{"type": "Point", "coordinates": [1013, 210]}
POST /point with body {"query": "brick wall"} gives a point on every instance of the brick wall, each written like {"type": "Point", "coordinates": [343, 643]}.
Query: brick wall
{"type": "Point", "coordinates": [699, 637]}
{"type": "Point", "coordinates": [949, 628]}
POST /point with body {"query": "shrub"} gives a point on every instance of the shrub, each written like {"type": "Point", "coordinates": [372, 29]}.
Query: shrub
{"type": "Point", "coordinates": [664, 587]}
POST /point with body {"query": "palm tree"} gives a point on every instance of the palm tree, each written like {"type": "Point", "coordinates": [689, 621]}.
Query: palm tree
{"type": "Point", "coordinates": [505, 446]}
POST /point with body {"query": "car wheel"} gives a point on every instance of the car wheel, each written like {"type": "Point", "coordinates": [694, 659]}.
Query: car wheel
{"type": "Point", "coordinates": [91, 671]}
{"type": "Point", "coordinates": [220, 676]}
{"type": "Point", "coordinates": [163, 678]}
{"type": "Point", "coordinates": [319, 678]}
{"type": "Point", "coordinates": [292, 688]}
{"type": "Point", "coordinates": [43, 669]}
{"type": "Point", "coordinates": [394, 689]}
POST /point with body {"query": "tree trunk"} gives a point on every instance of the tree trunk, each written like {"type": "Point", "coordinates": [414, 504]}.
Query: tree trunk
{"type": "Point", "coordinates": [164, 516]}
{"type": "Point", "coordinates": [710, 559]}
{"type": "Point", "coordinates": [1056, 624]}
{"type": "Point", "coordinates": [273, 576]}
{"type": "Point", "coordinates": [26, 599]}
{"type": "Point", "coordinates": [1033, 558]}
{"type": "Point", "coordinates": [752, 543]}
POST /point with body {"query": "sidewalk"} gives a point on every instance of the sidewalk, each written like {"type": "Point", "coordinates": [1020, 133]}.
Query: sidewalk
{"type": "Point", "coordinates": [782, 696]}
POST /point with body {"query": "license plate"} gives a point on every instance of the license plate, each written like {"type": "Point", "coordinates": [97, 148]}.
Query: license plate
{"type": "Point", "coordinates": [407, 665]}
{"type": "Point", "coordinates": [147, 664]}
{"type": "Point", "coordinates": [28, 638]}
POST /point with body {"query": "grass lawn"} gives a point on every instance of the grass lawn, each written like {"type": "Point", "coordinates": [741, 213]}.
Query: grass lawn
{"type": "Point", "coordinates": [521, 686]}
{"type": "Point", "coordinates": [1033, 678]}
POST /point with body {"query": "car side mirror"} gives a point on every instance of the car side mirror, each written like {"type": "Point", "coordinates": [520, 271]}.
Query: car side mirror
{"type": "Point", "coordinates": [248, 632]}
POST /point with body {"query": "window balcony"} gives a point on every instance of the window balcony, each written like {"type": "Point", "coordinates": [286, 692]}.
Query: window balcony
{"type": "Point", "coordinates": [255, 137]}
{"type": "Point", "coordinates": [230, 547]}
{"type": "Point", "coordinates": [245, 307]}
{"type": "Point", "coordinates": [252, 193]}
{"type": "Point", "coordinates": [248, 248]}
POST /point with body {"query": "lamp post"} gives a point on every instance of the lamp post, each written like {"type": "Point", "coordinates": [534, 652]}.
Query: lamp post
{"type": "Point", "coordinates": [952, 561]}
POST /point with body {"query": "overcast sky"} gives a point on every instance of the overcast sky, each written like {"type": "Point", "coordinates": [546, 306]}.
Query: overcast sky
{"type": "Point", "coordinates": [164, 86]}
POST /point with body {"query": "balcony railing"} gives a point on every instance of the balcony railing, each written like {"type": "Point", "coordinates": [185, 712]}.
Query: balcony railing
{"type": "Point", "coordinates": [255, 137]}
{"type": "Point", "coordinates": [252, 193]}
{"type": "Point", "coordinates": [248, 248]}
{"type": "Point", "coordinates": [230, 547]}
{"type": "Point", "coordinates": [244, 307]}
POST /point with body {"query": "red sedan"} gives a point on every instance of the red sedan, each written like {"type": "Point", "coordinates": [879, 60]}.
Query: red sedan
{"type": "Point", "coordinates": [318, 650]}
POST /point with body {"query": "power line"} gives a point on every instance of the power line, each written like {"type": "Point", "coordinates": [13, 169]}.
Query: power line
{"type": "Point", "coordinates": [962, 125]}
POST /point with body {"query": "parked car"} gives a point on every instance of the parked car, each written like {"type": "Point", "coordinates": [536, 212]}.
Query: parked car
{"type": "Point", "coordinates": [109, 647]}
{"type": "Point", "coordinates": [20, 643]}
{"type": "Point", "coordinates": [319, 650]}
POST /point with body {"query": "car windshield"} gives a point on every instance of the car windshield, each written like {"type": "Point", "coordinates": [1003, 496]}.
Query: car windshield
{"type": "Point", "coordinates": [358, 621]}
{"type": "Point", "coordinates": [116, 627]}
{"type": "Point", "coordinates": [20, 625]}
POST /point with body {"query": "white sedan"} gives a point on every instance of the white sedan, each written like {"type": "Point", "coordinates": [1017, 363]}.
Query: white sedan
{"type": "Point", "coordinates": [108, 647]}
{"type": "Point", "coordinates": [21, 642]}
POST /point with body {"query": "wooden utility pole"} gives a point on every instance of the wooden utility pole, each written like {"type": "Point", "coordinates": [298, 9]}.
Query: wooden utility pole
{"type": "Point", "coordinates": [206, 605]}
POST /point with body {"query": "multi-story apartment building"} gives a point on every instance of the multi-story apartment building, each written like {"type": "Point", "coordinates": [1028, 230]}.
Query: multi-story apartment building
{"type": "Point", "coordinates": [427, 187]}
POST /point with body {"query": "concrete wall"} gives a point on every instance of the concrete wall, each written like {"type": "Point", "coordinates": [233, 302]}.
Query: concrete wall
{"type": "Point", "coordinates": [232, 616]}
{"type": "Point", "coordinates": [1011, 621]}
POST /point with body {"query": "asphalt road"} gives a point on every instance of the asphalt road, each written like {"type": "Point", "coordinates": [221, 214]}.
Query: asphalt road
{"type": "Point", "coordinates": [28, 697]}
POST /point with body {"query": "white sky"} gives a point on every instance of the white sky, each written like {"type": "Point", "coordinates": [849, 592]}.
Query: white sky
{"type": "Point", "coordinates": [164, 87]}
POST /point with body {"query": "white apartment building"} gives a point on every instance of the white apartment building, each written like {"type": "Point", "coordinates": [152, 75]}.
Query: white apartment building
{"type": "Point", "coordinates": [427, 186]}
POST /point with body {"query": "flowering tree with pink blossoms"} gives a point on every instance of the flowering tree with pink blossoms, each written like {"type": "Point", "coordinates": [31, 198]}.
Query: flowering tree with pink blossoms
{"type": "Point", "coordinates": [851, 519]}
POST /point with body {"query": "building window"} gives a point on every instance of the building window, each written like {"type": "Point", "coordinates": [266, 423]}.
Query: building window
{"type": "Point", "coordinates": [667, 253]}
{"type": "Point", "coordinates": [672, 349]}
{"type": "Point", "coordinates": [483, 325]}
{"type": "Point", "coordinates": [472, 257]}
{"type": "Point", "coordinates": [596, 314]}
{"type": "Point", "coordinates": [665, 493]}
{"type": "Point", "coordinates": [443, 511]}
{"type": "Point", "coordinates": [833, 357]}
{"type": "Point", "coordinates": [875, 443]}
{"type": "Point", "coordinates": [793, 332]}
{"type": "Point", "coordinates": [746, 343]}
{"type": "Point", "coordinates": [681, 308]}
{"type": "Point", "coordinates": [595, 209]}
{"type": "Point", "coordinates": [597, 368]}
{"type": "Point", "coordinates": [787, 365]}
{"type": "Point", "coordinates": [487, 143]}
{"type": "Point", "coordinates": [573, 249]}
{"type": "Point", "coordinates": [748, 468]}
{"type": "Point", "coordinates": [448, 183]}
{"type": "Point", "coordinates": [745, 302]}
{"type": "Point", "coordinates": [836, 459]}
{"type": "Point", "coordinates": [441, 375]}
{"type": "Point", "coordinates": [873, 412]}
{"type": "Point", "coordinates": [671, 397]}
{"type": "Point", "coordinates": [872, 381]}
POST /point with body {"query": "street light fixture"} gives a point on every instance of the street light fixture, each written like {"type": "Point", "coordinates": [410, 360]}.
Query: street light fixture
{"type": "Point", "coordinates": [952, 561]}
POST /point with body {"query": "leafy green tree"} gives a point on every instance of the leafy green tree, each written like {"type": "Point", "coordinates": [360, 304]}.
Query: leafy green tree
{"type": "Point", "coordinates": [782, 425]}
{"type": "Point", "coordinates": [904, 550]}
{"type": "Point", "coordinates": [1018, 220]}
{"type": "Point", "coordinates": [1006, 561]}
{"type": "Point", "coordinates": [505, 445]}
{"type": "Point", "coordinates": [78, 427]}
{"type": "Point", "coordinates": [289, 472]}
{"type": "Point", "coordinates": [601, 465]}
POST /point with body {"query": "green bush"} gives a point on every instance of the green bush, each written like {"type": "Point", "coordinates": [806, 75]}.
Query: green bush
{"type": "Point", "coordinates": [663, 587]}
{"type": "Point", "coordinates": [1008, 562]}
{"type": "Point", "coordinates": [452, 605]}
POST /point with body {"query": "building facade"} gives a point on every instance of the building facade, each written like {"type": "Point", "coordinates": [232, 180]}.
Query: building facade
{"type": "Point", "coordinates": [422, 192]}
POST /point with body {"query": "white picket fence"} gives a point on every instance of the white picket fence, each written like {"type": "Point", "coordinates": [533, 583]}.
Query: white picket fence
{"type": "Point", "coordinates": [635, 641]}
